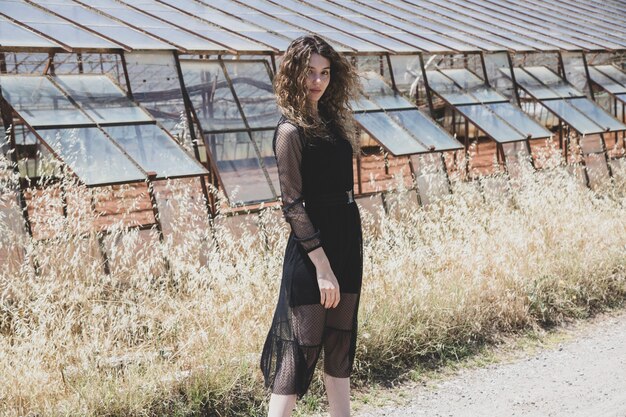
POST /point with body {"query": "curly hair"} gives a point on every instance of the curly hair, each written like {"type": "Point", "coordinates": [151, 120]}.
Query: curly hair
{"type": "Point", "coordinates": [334, 106]}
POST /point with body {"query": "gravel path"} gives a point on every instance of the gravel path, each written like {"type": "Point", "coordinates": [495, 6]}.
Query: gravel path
{"type": "Point", "coordinates": [584, 376]}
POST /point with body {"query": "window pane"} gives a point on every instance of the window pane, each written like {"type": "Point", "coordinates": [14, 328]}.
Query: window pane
{"type": "Point", "coordinates": [263, 140]}
{"type": "Point", "coordinates": [597, 114]}
{"type": "Point", "coordinates": [425, 130]}
{"type": "Point", "coordinates": [572, 117]}
{"type": "Point", "coordinates": [211, 97]}
{"type": "Point", "coordinates": [254, 90]}
{"type": "Point", "coordinates": [92, 156]}
{"type": "Point", "coordinates": [378, 91]}
{"type": "Point", "coordinates": [612, 72]}
{"type": "Point", "coordinates": [239, 167]}
{"type": "Point", "coordinates": [102, 99]}
{"type": "Point", "coordinates": [553, 81]}
{"type": "Point", "coordinates": [474, 85]}
{"type": "Point", "coordinates": [361, 103]}
{"type": "Point", "coordinates": [155, 151]}
{"type": "Point", "coordinates": [531, 85]}
{"type": "Point", "coordinates": [520, 120]}
{"type": "Point", "coordinates": [492, 126]}
{"type": "Point", "coordinates": [605, 82]}
{"type": "Point", "coordinates": [14, 35]}
{"type": "Point", "coordinates": [446, 88]}
{"type": "Point", "coordinates": [40, 102]}
{"type": "Point", "coordinates": [391, 135]}
{"type": "Point", "coordinates": [621, 97]}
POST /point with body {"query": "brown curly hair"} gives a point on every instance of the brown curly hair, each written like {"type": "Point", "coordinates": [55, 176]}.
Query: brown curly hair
{"type": "Point", "coordinates": [334, 106]}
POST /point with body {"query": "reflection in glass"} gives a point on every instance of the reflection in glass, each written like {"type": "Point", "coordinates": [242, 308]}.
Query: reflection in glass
{"type": "Point", "coordinates": [493, 126]}
{"type": "Point", "coordinates": [607, 83]}
{"type": "Point", "coordinates": [92, 156]}
{"type": "Point", "coordinates": [520, 120]}
{"type": "Point", "coordinates": [378, 91]}
{"type": "Point", "coordinates": [474, 85]}
{"type": "Point", "coordinates": [361, 103]}
{"type": "Point", "coordinates": [425, 130]}
{"type": "Point", "coordinates": [597, 114]}
{"type": "Point", "coordinates": [211, 97]}
{"type": "Point", "coordinates": [40, 102]}
{"type": "Point", "coordinates": [573, 117]}
{"type": "Point", "coordinates": [263, 140]}
{"type": "Point", "coordinates": [613, 72]}
{"type": "Point", "coordinates": [254, 90]}
{"type": "Point", "coordinates": [239, 167]}
{"type": "Point", "coordinates": [102, 99]}
{"type": "Point", "coordinates": [391, 135]}
{"type": "Point", "coordinates": [154, 151]}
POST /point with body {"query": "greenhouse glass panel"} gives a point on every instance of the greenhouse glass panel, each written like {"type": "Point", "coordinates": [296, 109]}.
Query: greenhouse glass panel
{"type": "Point", "coordinates": [605, 82]}
{"type": "Point", "coordinates": [391, 135]}
{"type": "Point", "coordinates": [92, 156]}
{"type": "Point", "coordinates": [520, 120]}
{"type": "Point", "coordinates": [447, 89]}
{"type": "Point", "coordinates": [534, 87]}
{"type": "Point", "coordinates": [101, 99]}
{"type": "Point", "coordinates": [597, 114]}
{"type": "Point", "coordinates": [494, 127]}
{"type": "Point", "coordinates": [264, 140]}
{"type": "Point", "coordinates": [425, 130]}
{"type": "Point", "coordinates": [155, 84]}
{"type": "Point", "coordinates": [255, 92]}
{"type": "Point", "coordinates": [155, 151]}
{"type": "Point", "coordinates": [363, 104]}
{"type": "Point", "coordinates": [211, 96]}
{"type": "Point", "coordinates": [474, 85]}
{"type": "Point", "coordinates": [553, 81]}
{"type": "Point", "coordinates": [572, 117]}
{"type": "Point", "coordinates": [378, 91]}
{"type": "Point", "coordinates": [621, 97]}
{"type": "Point", "coordinates": [239, 167]}
{"type": "Point", "coordinates": [53, 26]}
{"type": "Point", "coordinates": [612, 72]}
{"type": "Point", "coordinates": [40, 102]}
{"type": "Point", "coordinates": [14, 35]}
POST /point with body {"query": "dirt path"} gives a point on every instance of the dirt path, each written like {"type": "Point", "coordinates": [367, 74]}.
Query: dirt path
{"type": "Point", "coordinates": [583, 376]}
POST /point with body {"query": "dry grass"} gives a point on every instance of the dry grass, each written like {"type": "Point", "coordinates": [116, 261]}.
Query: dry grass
{"type": "Point", "coordinates": [439, 281]}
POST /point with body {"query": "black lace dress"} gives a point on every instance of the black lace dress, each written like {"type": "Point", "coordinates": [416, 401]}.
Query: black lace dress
{"type": "Point", "coordinates": [314, 175]}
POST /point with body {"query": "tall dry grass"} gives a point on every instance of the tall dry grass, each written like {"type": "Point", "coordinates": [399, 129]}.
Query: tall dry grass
{"type": "Point", "coordinates": [494, 257]}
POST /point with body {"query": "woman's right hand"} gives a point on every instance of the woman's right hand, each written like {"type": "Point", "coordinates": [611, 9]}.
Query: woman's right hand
{"type": "Point", "coordinates": [326, 279]}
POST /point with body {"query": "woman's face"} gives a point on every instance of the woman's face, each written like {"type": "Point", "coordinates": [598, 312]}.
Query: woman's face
{"type": "Point", "coordinates": [318, 77]}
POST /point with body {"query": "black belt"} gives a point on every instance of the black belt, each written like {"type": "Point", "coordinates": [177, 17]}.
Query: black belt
{"type": "Point", "coordinates": [332, 199]}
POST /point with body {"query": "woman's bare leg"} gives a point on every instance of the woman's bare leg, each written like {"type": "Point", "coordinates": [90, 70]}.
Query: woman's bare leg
{"type": "Point", "coordinates": [281, 405]}
{"type": "Point", "coordinates": [338, 392]}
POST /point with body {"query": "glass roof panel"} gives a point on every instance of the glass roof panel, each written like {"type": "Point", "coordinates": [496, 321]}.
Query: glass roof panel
{"type": "Point", "coordinates": [531, 85]}
{"type": "Point", "coordinates": [520, 120]}
{"type": "Point", "coordinates": [474, 85]}
{"type": "Point", "coordinates": [597, 114]}
{"type": "Point", "coordinates": [211, 96]}
{"type": "Point", "coordinates": [612, 72]}
{"type": "Point", "coordinates": [362, 103]}
{"type": "Point", "coordinates": [553, 81]}
{"type": "Point", "coordinates": [447, 89]}
{"type": "Point", "coordinates": [14, 35]}
{"type": "Point", "coordinates": [391, 135]}
{"type": "Point", "coordinates": [494, 127]}
{"type": "Point", "coordinates": [92, 156]}
{"type": "Point", "coordinates": [155, 151]}
{"type": "Point", "coordinates": [425, 130]}
{"type": "Point", "coordinates": [255, 92]}
{"type": "Point", "coordinates": [621, 97]}
{"type": "Point", "coordinates": [572, 117]}
{"type": "Point", "coordinates": [239, 167]}
{"type": "Point", "coordinates": [606, 82]}
{"type": "Point", "coordinates": [104, 25]}
{"type": "Point", "coordinates": [101, 99]}
{"type": "Point", "coordinates": [53, 26]}
{"type": "Point", "coordinates": [40, 102]}
{"type": "Point", "coordinates": [382, 94]}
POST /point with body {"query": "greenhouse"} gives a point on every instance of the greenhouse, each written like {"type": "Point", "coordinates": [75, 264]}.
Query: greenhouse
{"type": "Point", "coordinates": [136, 96]}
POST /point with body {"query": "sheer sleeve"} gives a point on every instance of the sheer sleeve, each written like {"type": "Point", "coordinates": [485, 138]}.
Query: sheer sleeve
{"type": "Point", "coordinates": [288, 148]}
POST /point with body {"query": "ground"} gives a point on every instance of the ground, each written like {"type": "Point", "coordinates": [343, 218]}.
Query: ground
{"type": "Point", "coordinates": [576, 371]}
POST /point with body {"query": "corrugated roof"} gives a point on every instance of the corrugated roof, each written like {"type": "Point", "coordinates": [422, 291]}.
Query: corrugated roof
{"type": "Point", "coordinates": [353, 26]}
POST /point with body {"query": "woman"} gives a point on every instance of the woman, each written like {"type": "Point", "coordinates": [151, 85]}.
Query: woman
{"type": "Point", "coordinates": [319, 296]}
